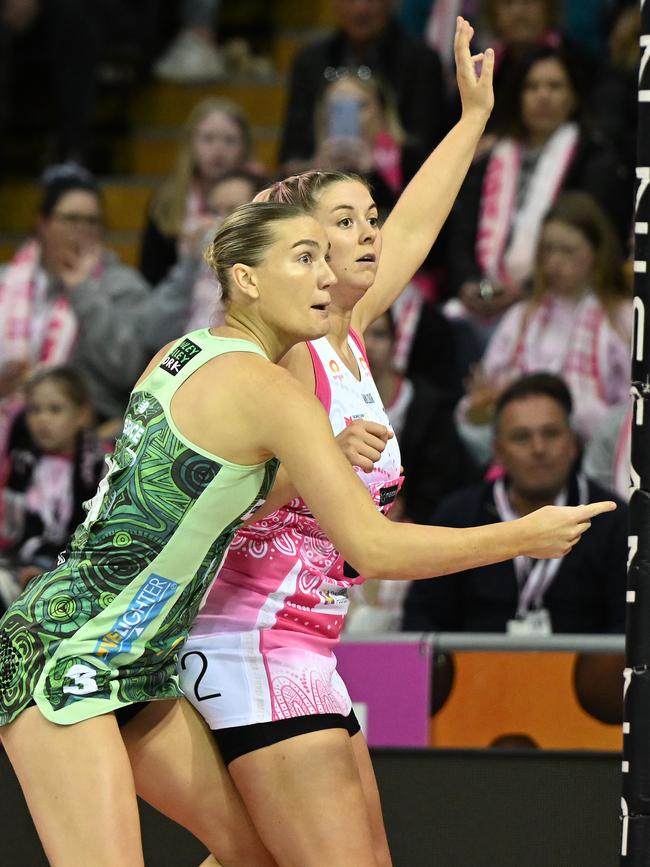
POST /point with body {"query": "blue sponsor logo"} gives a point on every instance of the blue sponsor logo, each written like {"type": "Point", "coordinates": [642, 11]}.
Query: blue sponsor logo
{"type": "Point", "coordinates": [129, 626]}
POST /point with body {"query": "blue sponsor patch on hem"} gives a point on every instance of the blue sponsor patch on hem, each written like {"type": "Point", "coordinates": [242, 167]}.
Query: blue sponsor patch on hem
{"type": "Point", "coordinates": [145, 606]}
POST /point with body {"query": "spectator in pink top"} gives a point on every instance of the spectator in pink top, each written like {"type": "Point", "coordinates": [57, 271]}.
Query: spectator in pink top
{"type": "Point", "coordinates": [542, 150]}
{"type": "Point", "coordinates": [577, 323]}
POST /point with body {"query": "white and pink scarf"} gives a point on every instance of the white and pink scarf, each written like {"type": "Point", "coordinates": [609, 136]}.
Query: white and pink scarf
{"type": "Point", "coordinates": [575, 341]}
{"type": "Point", "coordinates": [33, 330]}
{"type": "Point", "coordinates": [406, 312]}
{"type": "Point", "coordinates": [507, 237]}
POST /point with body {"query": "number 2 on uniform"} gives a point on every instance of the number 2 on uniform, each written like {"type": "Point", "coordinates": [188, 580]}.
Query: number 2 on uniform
{"type": "Point", "coordinates": [204, 666]}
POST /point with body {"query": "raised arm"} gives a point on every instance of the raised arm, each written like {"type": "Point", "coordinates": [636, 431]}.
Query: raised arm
{"type": "Point", "coordinates": [292, 424]}
{"type": "Point", "coordinates": [423, 207]}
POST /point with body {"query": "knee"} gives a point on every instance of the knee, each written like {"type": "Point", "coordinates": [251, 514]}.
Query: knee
{"type": "Point", "coordinates": [230, 844]}
{"type": "Point", "coordinates": [231, 852]}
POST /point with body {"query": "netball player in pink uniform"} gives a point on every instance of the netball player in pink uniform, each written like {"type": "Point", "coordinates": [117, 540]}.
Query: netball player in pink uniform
{"type": "Point", "coordinates": [259, 664]}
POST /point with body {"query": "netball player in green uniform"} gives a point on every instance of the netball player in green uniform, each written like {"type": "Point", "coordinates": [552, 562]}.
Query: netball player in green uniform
{"type": "Point", "coordinates": [204, 426]}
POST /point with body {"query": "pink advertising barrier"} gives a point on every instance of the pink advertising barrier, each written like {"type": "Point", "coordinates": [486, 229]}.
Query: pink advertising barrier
{"type": "Point", "coordinates": [389, 681]}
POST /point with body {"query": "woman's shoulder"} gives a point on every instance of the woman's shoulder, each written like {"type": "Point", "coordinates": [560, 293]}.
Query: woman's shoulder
{"type": "Point", "coordinates": [516, 313]}
{"type": "Point", "coordinates": [298, 362]}
{"type": "Point", "coordinates": [248, 370]}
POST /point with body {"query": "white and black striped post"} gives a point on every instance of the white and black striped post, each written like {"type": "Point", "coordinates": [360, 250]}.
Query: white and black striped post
{"type": "Point", "coordinates": [635, 800]}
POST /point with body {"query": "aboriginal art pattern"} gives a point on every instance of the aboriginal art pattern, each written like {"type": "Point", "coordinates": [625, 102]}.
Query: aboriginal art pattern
{"type": "Point", "coordinates": [122, 621]}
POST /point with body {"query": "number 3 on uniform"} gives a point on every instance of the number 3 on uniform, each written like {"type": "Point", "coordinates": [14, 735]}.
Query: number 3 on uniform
{"type": "Point", "coordinates": [83, 680]}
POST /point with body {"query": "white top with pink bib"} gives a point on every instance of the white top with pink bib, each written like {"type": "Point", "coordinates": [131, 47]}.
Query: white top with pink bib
{"type": "Point", "coordinates": [261, 648]}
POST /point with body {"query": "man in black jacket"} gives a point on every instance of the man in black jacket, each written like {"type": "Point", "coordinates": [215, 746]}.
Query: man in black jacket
{"type": "Point", "coordinates": [583, 592]}
{"type": "Point", "coordinates": [367, 41]}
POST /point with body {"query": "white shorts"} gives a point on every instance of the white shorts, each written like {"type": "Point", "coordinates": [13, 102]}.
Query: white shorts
{"type": "Point", "coordinates": [232, 682]}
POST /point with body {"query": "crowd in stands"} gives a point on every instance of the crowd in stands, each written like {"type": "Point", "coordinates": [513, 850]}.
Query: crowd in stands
{"type": "Point", "coordinates": [505, 365]}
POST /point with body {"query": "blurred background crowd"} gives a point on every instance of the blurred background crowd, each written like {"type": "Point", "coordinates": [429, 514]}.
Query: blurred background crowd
{"type": "Point", "coordinates": [130, 128]}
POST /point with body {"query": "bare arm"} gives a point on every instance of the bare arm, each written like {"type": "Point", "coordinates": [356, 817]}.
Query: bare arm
{"type": "Point", "coordinates": [294, 426]}
{"type": "Point", "coordinates": [423, 207]}
{"type": "Point", "coordinates": [282, 492]}
{"type": "Point", "coordinates": [362, 443]}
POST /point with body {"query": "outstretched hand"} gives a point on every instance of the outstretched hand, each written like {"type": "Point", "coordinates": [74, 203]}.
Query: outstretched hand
{"type": "Point", "coordinates": [476, 91]}
{"type": "Point", "coordinates": [556, 529]}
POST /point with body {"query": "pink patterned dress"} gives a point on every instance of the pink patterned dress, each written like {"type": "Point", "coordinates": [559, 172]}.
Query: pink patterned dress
{"type": "Point", "coordinates": [262, 647]}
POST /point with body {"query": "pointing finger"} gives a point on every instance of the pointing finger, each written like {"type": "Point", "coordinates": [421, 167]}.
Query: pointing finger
{"type": "Point", "coordinates": [592, 509]}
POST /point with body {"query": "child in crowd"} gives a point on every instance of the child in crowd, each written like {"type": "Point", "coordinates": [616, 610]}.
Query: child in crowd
{"type": "Point", "coordinates": [218, 140]}
{"type": "Point", "coordinates": [189, 297]}
{"type": "Point", "coordinates": [53, 466]}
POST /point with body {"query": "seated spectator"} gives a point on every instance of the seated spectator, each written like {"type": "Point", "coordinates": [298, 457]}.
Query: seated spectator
{"type": "Point", "coordinates": [434, 459]}
{"type": "Point", "coordinates": [583, 592]}
{"type": "Point", "coordinates": [358, 130]}
{"type": "Point", "coordinates": [368, 39]}
{"type": "Point", "coordinates": [427, 345]}
{"type": "Point", "coordinates": [495, 224]}
{"type": "Point", "coordinates": [65, 298]}
{"type": "Point", "coordinates": [515, 28]}
{"type": "Point", "coordinates": [576, 323]}
{"type": "Point", "coordinates": [190, 296]}
{"type": "Point", "coordinates": [229, 192]}
{"type": "Point", "coordinates": [218, 141]}
{"type": "Point", "coordinates": [497, 218]}
{"type": "Point", "coordinates": [54, 466]}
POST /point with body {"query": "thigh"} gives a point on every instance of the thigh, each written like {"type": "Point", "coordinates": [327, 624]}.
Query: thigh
{"type": "Point", "coordinates": [306, 799]}
{"type": "Point", "coordinates": [373, 803]}
{"type": "Point", "coordinates": [79, 788]}
{"type": "Point", "coordinates": [179, 771]}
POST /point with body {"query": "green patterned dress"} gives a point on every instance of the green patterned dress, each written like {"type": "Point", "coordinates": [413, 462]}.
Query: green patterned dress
{"type": "Point", "coordinates": [102, 630]}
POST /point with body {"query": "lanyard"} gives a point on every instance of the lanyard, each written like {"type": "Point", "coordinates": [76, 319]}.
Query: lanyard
{"type": "Point", "coordinates": [534, 577]}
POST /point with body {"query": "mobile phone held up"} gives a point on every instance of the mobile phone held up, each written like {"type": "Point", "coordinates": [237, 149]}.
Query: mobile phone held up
{"type": "Point", "coordinates": [343, 120]}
